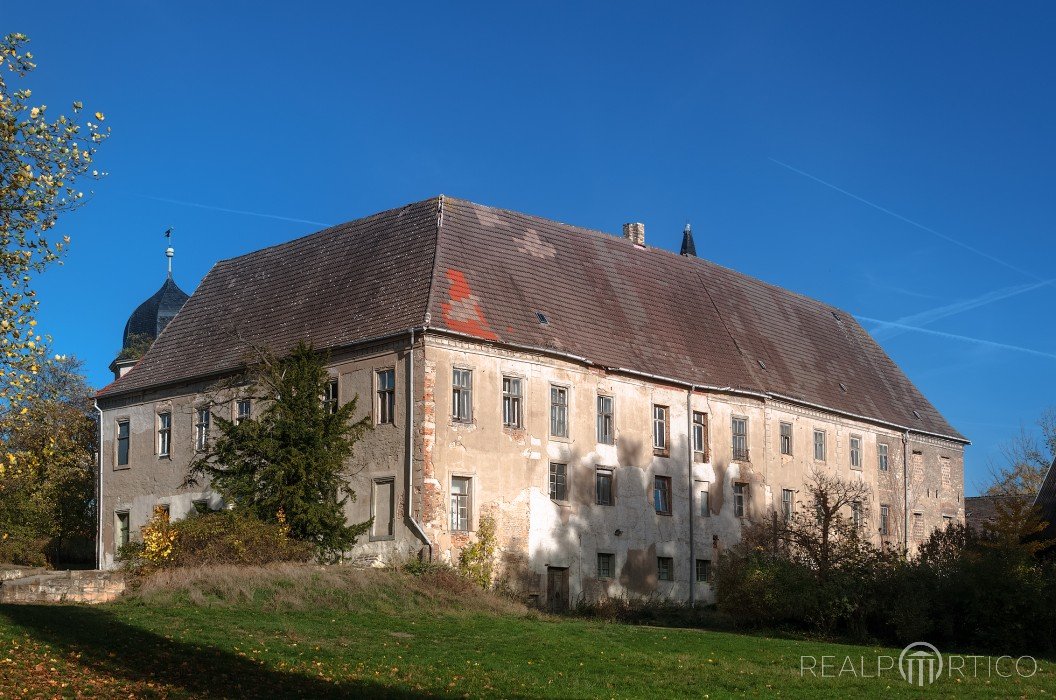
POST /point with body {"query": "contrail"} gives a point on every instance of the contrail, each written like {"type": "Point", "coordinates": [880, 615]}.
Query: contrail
{"type": "Point", "coordinates": [952, 336]}
{"type": "Point", "coordinates": [930, 316]}
{"type": "Point", "coordinates": [232, 211]}
{"type": "Point", "coordinates": [911, 222]}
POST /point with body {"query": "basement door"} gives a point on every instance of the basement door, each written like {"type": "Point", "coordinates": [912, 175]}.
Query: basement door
{"type": "Point", "coordinates": [557, 589]}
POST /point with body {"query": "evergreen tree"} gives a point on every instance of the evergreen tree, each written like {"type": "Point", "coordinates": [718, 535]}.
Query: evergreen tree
{"type": "Point", "coordinates": [288, 461]}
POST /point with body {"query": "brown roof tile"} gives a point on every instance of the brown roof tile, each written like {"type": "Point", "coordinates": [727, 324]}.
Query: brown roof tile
{"type": "Point", "coordinates": [487, 272]}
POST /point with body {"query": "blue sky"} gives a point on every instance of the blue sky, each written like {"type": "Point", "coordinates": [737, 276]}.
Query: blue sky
{"type": "Point", "coordinates": [893, 159]}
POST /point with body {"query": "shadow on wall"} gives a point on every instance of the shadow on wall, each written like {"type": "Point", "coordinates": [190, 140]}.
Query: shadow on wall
{"type": "Point", "coordinates": [109, 646]}
{"type": "Point", "coordinates": [583, 527]}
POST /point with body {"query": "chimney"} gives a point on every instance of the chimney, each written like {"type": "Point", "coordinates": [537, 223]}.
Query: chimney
{"type": "Point", "coordinates": [635, 233]}
{"type": "Point", "coordinates": [689, 249]}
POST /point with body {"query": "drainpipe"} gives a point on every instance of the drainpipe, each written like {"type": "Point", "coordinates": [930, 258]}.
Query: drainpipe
{"type": "Point", "coordinates": [99, 489]}
{"type": "Point", "coordinates": [409, 448]}
{"type": "Point", "coordinates": [905, 491]}
{"type": "Point", "coordinates": [689, 462]}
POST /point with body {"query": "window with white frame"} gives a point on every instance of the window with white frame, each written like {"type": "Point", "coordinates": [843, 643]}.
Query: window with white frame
{"type": "Point", "coordinates": [462, 395]}
{"type": "Point", "coordinates": [164, 434]}
{"type": "Point", "coordinates": [881, 456]}
{"type": "Point", "coordinates": [740, 439]}
{"type": "Point", "coordinates": [660, 429]}
{"type": "Point", "coordinates": [386, 388]}
{"type": "Point", "coordinates": [856, 452]}
{"type": "Point", "coordinates": [786, 438]}
{"type": "Point", "coordinates": [202, 418]}
{"type": "Point", "coordinates": [603, 483]}
{"type": "Point", "coordinates": [511, 402]}
{"type": "Point", "coordinates": [700, 436]}
{"type": "Point", "coordinates": [558, 411]}
{"type": "Point", "coordinates": [740, 499]}
{"type": "Point", "coordinates": [819, 445]}
{"type": "Point", "coordinates": [122, 442]}
{"type": "Point", "coordinates": [788, 504]}
{"type": "Point", "coordinates": [856, 514]}
{"type": "Point", "coordinates": [330, 397]}
{"type": "Point", "coordinates": [243, 410]}
{"type": "Point", "coordinates": [460, 503]}
{"type": "Point", "coordinates": [703, 571]}
{"type": "Point", "coordinates": [662, 495]}
{"type": "Point", "coordinates": [885, 520]}
{"type": "Point", "coordinates": [606, 424]}
{"type": "Point", "coordinates": [558, 481]}
{"type": "Point", "coordinates": [665, 568]}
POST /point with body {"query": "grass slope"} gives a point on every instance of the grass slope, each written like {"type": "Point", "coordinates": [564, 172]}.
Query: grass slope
{"type": "Point", "coordinates": [307, 632]}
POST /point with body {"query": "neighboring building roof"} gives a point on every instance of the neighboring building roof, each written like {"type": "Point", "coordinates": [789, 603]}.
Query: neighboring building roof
{"type": "Point", "coordinates": [980, 509]}
{"type": "Point", "coordinates": [1046, 501]}
{"type": "Point", "coordinates": [489, 273]}
{"type": "Point", "coordinates": [154, 314]}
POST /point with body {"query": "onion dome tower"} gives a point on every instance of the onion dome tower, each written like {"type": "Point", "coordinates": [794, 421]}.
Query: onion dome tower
{"type": "Point", "coordinates": [149, 319]}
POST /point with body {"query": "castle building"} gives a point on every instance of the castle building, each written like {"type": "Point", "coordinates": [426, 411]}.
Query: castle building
{"type": "Point", "coordinates": [620, 411]}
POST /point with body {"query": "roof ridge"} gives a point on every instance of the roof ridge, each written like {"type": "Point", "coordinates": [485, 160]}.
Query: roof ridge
{"type": "Point", "coordinates": [436, 261]}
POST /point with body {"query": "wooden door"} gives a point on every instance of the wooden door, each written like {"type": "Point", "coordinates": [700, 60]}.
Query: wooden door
{"type": "Point", "coordinates": [556, 589]}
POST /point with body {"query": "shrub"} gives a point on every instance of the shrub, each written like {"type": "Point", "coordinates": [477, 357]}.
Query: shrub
{"type": "Point", "coordinates": [220, 537]}
{"type": "Point", "coordinates": [476, 560]}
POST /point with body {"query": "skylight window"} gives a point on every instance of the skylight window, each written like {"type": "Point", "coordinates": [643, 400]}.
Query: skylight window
{"type": "Point", "coordinates": [542, 318]}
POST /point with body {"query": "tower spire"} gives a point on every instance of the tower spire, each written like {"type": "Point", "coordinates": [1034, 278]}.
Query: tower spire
{"type": "Point", "coordinates": [169, 251]}
{"type": "Point", "coordinates": [688, 247]}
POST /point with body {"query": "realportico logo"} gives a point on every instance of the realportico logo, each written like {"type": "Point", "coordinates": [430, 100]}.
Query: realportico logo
{"type": "Point", "coordinates": [925, 662]}
{"type": "Point", "coordinates": [919, 664]}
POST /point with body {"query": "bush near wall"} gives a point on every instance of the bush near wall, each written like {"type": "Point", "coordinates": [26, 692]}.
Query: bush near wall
{"type": "Point", "coordinates": [220, 537]}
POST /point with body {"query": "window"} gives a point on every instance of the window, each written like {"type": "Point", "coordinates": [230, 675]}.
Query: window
{"type": "Point", "coordinates": [918, 525]}
{"type": "Point", "coordinates": [740, 496]}
{"type": "Point", "coordinates": [856, 452]}
{"type": "Point", "coordinates": [164, 434]}
{"type": "Point", "coordinates": [558, 481]}
{"type": "Point", "coordinates": [386, 379]}
{"type": "Point", "coordinates": [383, 509]}
{"type": "Point", "coordinates": [703, 570]}
{"type": "Point", "coordinates": [460, 486]}
{"type": "Point", "coordinates": [122, 443]}
{"type": "Point", "coordinates": [662, 494]}
{"type": "Point", "coordinates": [123, 528]}
{"type": "Point", "coordinates": [606, 565]}
{"type": "Point", "coordinates": [243, 410]}
{"type": "Point", "coordinates": [162, 511]}
{"type": "Point", "coordinates": [705, 499]}
{"type": "Point", "coordinates": [660, 433]}
{"type": "Point", "coordinates": [700, 436]}
{"type": "Point", "coordinates": [202, 417]}
{"type": "Point", "coordinates": [856, 514]}
{"type": "Point", "coordinates": [603, 484]}
{"type": "Point", "coordinates": [788, 501]}
{"type": "Point", "coordinates": [511, 402]}
{"type": "Point", "coordinates": [200, 505]}
{"type": "Point", "coordinates": [330, 397]}
{"type": "Point", "coordinates": [665, 568]}
{"type": "Point", "coordinates": [606, 427]}
{"type": "Point", "coordinates": [881, 456]}
{"type": "Point", "coordinates": [786, 438]}
{"type": "Point", "coordinates": [462, 395]}
{"type": "Point", "coordinates": [558, 411]}
{"type": "Point", "coordinates": [819, 445]}
{"type": "Point", "coordinates": [947, 520]}
{"type": "Point", "coordinates": [740, 439]}
{"type": "Point", "coordinates": [885, 520]}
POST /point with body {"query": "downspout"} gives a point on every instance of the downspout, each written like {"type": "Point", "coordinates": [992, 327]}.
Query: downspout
{"type": "Point", "coordinates": [692, 515]}
{"type": "Point", "coordinates": [409, 448]}
{"type": "Point", "coordinates": [905, 491]}
{"type": "Point", "coordinates": [99, 489]}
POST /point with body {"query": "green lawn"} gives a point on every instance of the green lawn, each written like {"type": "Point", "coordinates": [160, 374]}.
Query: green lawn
{"type": "Point", "coordinates": [394, 641]}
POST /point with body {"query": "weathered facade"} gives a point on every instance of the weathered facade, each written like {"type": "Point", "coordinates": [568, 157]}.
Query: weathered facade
{"type": "Point", "coordinates": [620, 411]}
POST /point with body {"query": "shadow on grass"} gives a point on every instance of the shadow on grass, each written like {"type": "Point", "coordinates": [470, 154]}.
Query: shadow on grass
{"type": "Point", "coordinates": [108, 645]}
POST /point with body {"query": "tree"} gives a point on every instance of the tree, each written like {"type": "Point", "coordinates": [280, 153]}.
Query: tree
{"type": "Point", "coordinates": [41, 162]}
{"type": "Point", "coordinates": [47, 489]}
{"type": "Point", "coordinates": [290, 460]}
{"type": "Point", "coordinates": [1025, 460]}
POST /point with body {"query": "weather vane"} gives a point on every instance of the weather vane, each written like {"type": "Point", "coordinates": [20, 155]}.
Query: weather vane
{"type": "Point", "coordinates": [169, 251]}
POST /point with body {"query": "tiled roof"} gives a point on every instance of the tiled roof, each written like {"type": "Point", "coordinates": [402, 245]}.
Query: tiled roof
{"type": "Point", "coordinates": [1046, 501]}
{"type": "Point", "coordinates": [488, 273]}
